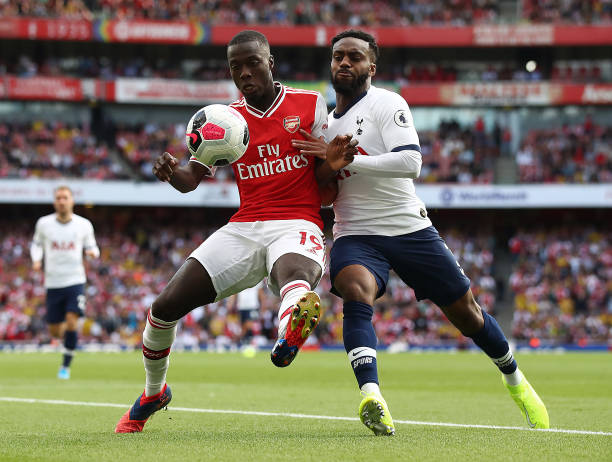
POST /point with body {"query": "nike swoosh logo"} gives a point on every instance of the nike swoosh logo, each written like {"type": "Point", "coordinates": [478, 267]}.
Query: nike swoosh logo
{"type": "Point", "coordinates": [531, 424]}
{"type": "Point", "coordinates": [355, 353]}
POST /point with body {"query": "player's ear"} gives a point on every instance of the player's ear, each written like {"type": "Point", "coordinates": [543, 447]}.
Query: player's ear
{"type": "Point", "coordinates": [271, 63]}
{"type": "Point", "coordinates": [372, 69]}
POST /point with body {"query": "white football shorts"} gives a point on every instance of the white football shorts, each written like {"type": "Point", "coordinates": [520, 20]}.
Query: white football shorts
{"type": "Point", "coordinates": [240, 254]}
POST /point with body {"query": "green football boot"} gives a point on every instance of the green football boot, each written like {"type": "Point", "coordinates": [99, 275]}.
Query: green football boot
{"type": "Point", "coordinates": [529, 403]}
{"type": "Point", "coordinates": [375, 415]}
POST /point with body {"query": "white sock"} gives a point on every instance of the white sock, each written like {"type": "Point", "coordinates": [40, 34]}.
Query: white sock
{"type": "Point", "coordinates": [157, 339]}
{"type": "Point", "coordinates": [290, 293]}
{"type": "Point", "coordinates": [370, 387]}
{"type": "Point", "coordinates": [515, 378]}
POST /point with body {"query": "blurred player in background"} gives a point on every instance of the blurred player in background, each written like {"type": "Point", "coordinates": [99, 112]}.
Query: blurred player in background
{"type": "Point", "coordinates": [248, 304]}
{"type": "Point", "coordinates": [381, 224]}
{"type": "Point", "coordinates": [61, 238]}
{"type": "Point", "coordinates": [276, 232]}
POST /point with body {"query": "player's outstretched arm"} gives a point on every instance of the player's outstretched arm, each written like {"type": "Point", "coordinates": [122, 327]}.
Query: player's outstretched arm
{"type": "Point", "coordinates": [183, 178]}
{"type": "Point", "coordinates": [405, 163]}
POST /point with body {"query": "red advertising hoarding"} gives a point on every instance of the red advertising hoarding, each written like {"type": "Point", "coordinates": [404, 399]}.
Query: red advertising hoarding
{"type": "Point", "coordinates": [190, 32]}
{"type": "Point", "coordinates": [44, 88]}
{"type": "Point", "coordinates": [507, 94]}
{"type": "Point", "coordinates": [144, 31]}
{"type": "Point", "coordinates": [46, 29]}
{"type": "Point", "coordinates": [168, 91]}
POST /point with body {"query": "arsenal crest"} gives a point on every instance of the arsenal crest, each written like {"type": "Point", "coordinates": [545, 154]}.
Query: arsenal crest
{"type": "Point", "coordinates": [291, 123]}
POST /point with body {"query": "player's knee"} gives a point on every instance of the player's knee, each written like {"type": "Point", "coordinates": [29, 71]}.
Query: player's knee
{"type": "Point", "coordinates": [306, 270]}
{"type": "Point", "coordinates": [311, 275]}
{"type": "Point", "coordinates": [162, 309]}
{"type": "Point", "coordinates": [55, 330]}
{"type": "Point", "coordinates": [354, 290]}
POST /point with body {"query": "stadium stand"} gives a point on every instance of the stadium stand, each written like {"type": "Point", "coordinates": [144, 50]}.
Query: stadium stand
{"type": "Point", "coordinates": [212, 68]}
{"type": "Point", "coordinates": [454, 153]}
{"type": "Point", "coordinates": [54, 150]}
{"type": "Point", "coordinates": [139, 256]}
{"type": "Point", "coordinates": [562, 284]}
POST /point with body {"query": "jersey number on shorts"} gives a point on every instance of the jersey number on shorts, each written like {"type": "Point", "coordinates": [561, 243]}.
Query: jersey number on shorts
{"type": "Point", "coordinates": [81, 302]}
{"type": "Point", "coordinates": [313, 239]}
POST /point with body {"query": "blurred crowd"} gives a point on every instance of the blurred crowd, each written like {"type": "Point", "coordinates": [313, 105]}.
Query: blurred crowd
{"type": "Point", "coordinates": [462, 154]}
{"type": "Point", "coordinates": [566, 154]}
{"type": "Point", "coordinates": [567, 11]}
{"type": "Point", "coordinates": [332, 12]}
{"type": "Point", "coordinates": [400, 70]}
{"type": "Point", "coordinates": [562, 281]}
{"type": "Point", "coordinates": [138, 258]}
{"type": "Point", "coordinates": [54, 150]}
{"type": "Point", "coordinates": [453, 153]}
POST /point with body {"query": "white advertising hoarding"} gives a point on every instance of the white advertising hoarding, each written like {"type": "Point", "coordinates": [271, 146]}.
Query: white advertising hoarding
{"type": "Point", "coordinates": [212, 194]}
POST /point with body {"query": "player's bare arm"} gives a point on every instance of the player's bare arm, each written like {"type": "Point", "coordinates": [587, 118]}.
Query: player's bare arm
{"type": "Point", "coordinates": [337, 154]}
{"type": "Point", "coordinates": [183, 178]}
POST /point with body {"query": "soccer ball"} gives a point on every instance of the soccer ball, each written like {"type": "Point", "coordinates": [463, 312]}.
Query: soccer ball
{"type": "Point", "coordinates": [217, 135]}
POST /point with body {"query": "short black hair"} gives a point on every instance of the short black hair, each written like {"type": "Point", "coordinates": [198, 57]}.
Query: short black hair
{"type": "Point", "coordinates": [249, 36]}
{"type": "Point", "coordinates": [359, 34]}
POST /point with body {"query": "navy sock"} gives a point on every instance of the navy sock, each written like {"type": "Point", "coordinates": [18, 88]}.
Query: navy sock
{"type": "Point", "coordinates": [493, 342]}
{"type": "Point", "coordinates": [360, 341]}
{"type": "Point", "coordinates": [70, 343]}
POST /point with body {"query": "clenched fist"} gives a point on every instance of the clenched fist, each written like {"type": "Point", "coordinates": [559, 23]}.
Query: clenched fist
{"type": "Point", "coordinates": [164, 166]}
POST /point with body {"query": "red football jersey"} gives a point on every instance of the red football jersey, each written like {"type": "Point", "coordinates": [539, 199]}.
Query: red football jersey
{"type": "Point", "coordinates": [274, 180]}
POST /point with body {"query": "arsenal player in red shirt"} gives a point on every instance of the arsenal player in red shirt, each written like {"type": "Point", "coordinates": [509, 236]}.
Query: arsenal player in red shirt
{"type": "Point", "coordinates": [276, 232]}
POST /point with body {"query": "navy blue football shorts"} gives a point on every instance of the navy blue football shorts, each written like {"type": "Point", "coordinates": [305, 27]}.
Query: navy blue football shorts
{"type": "Point", "coordinates": [421, 259]}
{"type": "Point", "coordinates": [64, 299]}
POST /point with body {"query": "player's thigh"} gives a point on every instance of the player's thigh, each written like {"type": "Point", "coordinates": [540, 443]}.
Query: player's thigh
{"type": "Point", "coordinates": [295, 250]}
{"type": "Point", "coordinates": [424, 262]}
{"type": "Point", "coordinates": [233, 257]}
{"type": "Point", "coordinates": [189, 288]}
{"type": "Point", "coordinates": [75, 300]}
{"type": "Point", "coordinates": [354, 261]}
{"type": "Point", "coordinates": [56, 306]}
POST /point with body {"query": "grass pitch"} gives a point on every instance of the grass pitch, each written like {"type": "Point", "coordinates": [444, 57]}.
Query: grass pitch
{"type": "Point", "coordinates": [460, 388]}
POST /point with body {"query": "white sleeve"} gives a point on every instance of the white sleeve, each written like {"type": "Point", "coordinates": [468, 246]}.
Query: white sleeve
{"type": "Point", "coordinates": [89, 242]}
{"type": "Point", "coordinates": [319, 127]}
{"type": "Point", "coordinates": [403, 156]}
{"type": "Point", "coordinates": [396, 124]}
{"type": "Point", "coordinates": [399, 164]}
{"type": "Point", "coordinates": [211, 170]}
{"type": "Point", "coordinates": [36, 248]}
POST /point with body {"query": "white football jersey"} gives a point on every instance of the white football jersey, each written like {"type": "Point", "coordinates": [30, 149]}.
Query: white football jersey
{"type": "Point", "coordinates": [381, 121]}
{"type": "Point", "coordinates": [62, 245]}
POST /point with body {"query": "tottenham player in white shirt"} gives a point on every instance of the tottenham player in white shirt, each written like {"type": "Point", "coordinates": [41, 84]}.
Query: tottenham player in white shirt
{"type": "Point", "coordinates": [380, 224]}
{"type": "Point", "coordinates": [61, 238]}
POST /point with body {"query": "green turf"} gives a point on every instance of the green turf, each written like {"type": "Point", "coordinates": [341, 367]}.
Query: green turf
{"type": "Point", "coordinates": [433, 387]}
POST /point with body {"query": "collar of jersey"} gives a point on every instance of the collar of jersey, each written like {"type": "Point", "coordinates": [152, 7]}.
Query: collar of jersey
{"type": "Point", "coordinates": [273, 107]}
{"type": "Point", "coordinates": [355, 101]}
